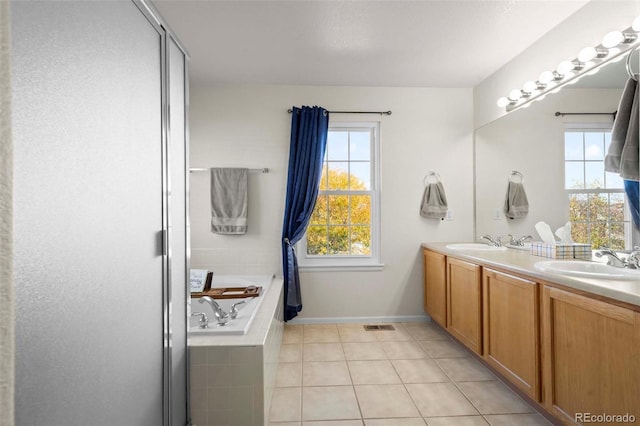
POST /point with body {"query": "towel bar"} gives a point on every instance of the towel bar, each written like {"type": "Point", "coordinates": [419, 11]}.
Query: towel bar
{"type": "Point", "coordinates": [263, 170]}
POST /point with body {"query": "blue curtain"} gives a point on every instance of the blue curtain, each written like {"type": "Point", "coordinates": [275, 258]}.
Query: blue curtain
{"type": "Point", "coordinates": [309, 128]}
{"type": "Point", "coordinates": [632, 188]}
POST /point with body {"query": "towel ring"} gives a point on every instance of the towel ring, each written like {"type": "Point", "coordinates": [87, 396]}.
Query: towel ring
{"type": "Point", "coordinates": [629, 69]}
{"type": "Point", "coordinates": [433, 175]}
{"type": "Point", "coordinates": [518, 175]}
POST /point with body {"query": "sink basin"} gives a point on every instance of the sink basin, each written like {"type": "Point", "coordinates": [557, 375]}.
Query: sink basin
{"type": "Point", "coordinates": [586, 269]}
{"type": "Point", "coordinates": [474, 246]}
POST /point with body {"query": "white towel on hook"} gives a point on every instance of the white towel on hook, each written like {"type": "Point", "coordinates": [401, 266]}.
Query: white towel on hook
{"type": "Point", "coordinates": [434, 202]}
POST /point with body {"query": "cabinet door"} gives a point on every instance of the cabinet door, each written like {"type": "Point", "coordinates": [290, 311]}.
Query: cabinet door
{"type": "Point", "coordinates": [510, 329]}
{"type": "Point", "coordinates": [591, 357]}
{"type": "Point", "coordinates": [435, 299]}
{"type": "Point", "coordinates": [464, 310]}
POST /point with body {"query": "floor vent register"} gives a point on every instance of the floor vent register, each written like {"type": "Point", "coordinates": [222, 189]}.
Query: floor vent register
{"type": "Point", "coordinates": [375, 327]}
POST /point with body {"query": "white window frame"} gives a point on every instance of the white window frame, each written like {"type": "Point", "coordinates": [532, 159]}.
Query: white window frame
{"type": "Point", "coordinates": [599, 126]}
{"type": "Point", "coordinates": [352, 262]}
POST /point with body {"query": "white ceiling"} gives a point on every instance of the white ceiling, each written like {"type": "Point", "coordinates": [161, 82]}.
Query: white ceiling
{"type": "Point", "coordinates": [455, 43]}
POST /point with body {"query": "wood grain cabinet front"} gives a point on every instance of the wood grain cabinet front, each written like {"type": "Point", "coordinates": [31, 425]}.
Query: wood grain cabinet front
{"type": "Point", "coordinates": [435, 286]}
{"type": "Point", "coordinates": [511, 337]}
{"type": "Point", "coordinates": [591, 359]}
{"type": "Point", "coordinates": [464, 308]}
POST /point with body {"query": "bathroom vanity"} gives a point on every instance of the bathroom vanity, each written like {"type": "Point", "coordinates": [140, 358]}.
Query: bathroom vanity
{"type": "Point", "coordinates": [571, 345]}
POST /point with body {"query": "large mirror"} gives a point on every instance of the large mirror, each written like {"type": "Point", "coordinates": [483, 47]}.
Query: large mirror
{"type": "Point", "coordinates": [560, 159]}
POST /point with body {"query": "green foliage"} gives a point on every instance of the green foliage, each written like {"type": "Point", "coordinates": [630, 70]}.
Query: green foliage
{"type": "Point", "coordinates": [597, 222]}
{"type": "Point", "coordinates": [329, 232]}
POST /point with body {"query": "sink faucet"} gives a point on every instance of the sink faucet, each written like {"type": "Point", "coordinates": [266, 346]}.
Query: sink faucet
{"type": "Point", "coordinates": [615, 260]}
{"type": "Point", "coordinates": [492, 242]}
{"type": "Point", "coordinates": [519, 241]}
{"type": "Point", "coordinates": [632, 261]}
{"type": "Point", "coordinates": [221, 316]}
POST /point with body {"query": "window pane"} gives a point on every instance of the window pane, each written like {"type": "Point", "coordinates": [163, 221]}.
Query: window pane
{"type": "Point", "coordinates": [594, 175]}
{"type": "Point", "coordinates": [578, 204]}
{"type": "Point", "coordinates": [319, 215]}
{"type": "Point", "coordinates": [574, 175]}
{"type": "Point", "coordinates": [616, 239]}
{"type": "Point", "coordinates": [323, 178]}
{"type": "Point", "coordinates": [338, 177]}
{"type": "Point", "coordinates": [360, 210]}
{"type": "Point", "coordinates": [613, 180]}
{"type": "Point", "coordinates": [360, 146]}
{"type": "Point", "coordinates": [594, 146]}
{"type": "Point", "coordinates": [616, 207]}
{"type": "Point", "coordinates": [579, 233]}
{"type": "Point", "coordinates": [317, 240]}
{"type": "Point", "coordinates": [607, 141]}
{"type": "Point", "coordinates": [338, 240]}
{"type": "Point", "coordinates": [338, 146]}
{"type": "Point", "coordinates": [361, 240]}
{"type": "Point", "coordinates": [573, 146]}
{"type": "Point", "coordinates": [338, 209]}
{"type": "Point", "coordinates": [598, 207]}
{"type": "Point", "coordinates": [361, 175]}
{"type": "Point", "coordinates": [599, 235]}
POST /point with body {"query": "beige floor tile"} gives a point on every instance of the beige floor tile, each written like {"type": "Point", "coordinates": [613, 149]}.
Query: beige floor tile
{"type": "Point", "coordinates": [373, 372]}
{"type": "Point", "coordinates": [321, 333]}
{"type": "Point", "coordinates": [356, 333]}
{"type": "Point", "coordinates": [465, 369]}
{"type": "Point", "coordinates": [404, 350]}
{"type": "Point", "coordinates": [323, 352]}
{"type": "Point", "coordinates": [325, 373]}
{"type": "Point", "coordinates": [517, 419]}
{"type": "Point", "coordinates": [494, 398]}
{"type": "Point", "coordinates": [329, 403]}
{"type": "Point", "coordinates": [444, 349]}
{"type": "Point", "coordinates": [459, 421]}
{"type": "Point", "coordinates": [285, 405]}
{"type": "Point", "coordinates": [292, 334]}
{"type": "Point", "coordinates": [397, 335]}
{"type": "Point", "coordinates": [363, 350]}
{"type": "Point", "coordinates": [394, 422]}
{"type": "Point", "coordinates": [289, 374]}
{"type": "Point", "coordinates": [440, 399]}
{"type": "Point", "coordinates": [291, 353]}
{"type": "Point", "coordinates": [419, 371]}
{"type": "Point", "coordinates": [385, 401]}
{"type": "Point", "coordinates": [334, 423]}
{"type": "Point", "coordinates": [427, 332]}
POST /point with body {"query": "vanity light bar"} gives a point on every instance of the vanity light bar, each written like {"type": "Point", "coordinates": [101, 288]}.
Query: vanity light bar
{"type": "Point", "coordinates": [614, 45]}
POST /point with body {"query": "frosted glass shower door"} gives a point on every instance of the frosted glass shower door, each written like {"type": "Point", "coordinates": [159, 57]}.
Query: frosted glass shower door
{"type": "Point", "coordinates": [90, 273]}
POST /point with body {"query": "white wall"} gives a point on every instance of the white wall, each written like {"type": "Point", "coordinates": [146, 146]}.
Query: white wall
{"type": "Point", "coordinates": [531, 141]}
{"type": "Point", "coordinates": [248, 126]}
{"type": "Point", "coordinates": [584, 28]}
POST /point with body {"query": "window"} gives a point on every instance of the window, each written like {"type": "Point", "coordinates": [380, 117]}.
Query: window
{"type": "Point", "coordinates": [596, 198]}
{"type": "Point", "coordinates": [344, 228]}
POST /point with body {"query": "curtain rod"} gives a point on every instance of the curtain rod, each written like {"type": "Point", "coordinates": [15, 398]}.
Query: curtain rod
{"type": "Point", "coordinates": [263, 170]}
{"type": "Point", "coordinates": [562, 114]}
{"type": "Point", "coordinates": [353, 112]}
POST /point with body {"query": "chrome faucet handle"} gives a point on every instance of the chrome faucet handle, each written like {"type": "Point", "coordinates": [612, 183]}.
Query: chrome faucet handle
{"type": "Point", "coordinates": [203, 322]}
{"type": "Point", "coordinates": [233, 313]}
{"type": "Point", "coordinates": [524, 238]}
{"type": "Point", "coordinates": [512, 240]}
{"type": "Point", "coordinates": [221, 316]}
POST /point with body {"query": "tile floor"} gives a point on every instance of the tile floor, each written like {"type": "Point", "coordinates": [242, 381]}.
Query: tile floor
{"type": "Point", "coordinates": [342, 375]}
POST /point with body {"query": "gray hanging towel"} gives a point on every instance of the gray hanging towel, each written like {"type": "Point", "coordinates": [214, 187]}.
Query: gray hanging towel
{"type": "Point", "coordinates": [629, 159]}
{"type": "Point", "coordinates": [434, 202]}
{"type": "Point", "coordinates": [515, 202]}
{"type": "Point", "coordinates": [620, 129]}
{"type": "Point", "coordinates": [229, 201]}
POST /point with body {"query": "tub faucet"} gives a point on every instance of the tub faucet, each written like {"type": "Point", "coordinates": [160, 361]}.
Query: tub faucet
{"type": "Point", "coordinates": [492, 242]}
{"type": "Point", "coordinates": [233, 313]}
{"type": "Point", "coordinates": [203, 322]}
{"type": "Point", "coordinates": [221, 316]}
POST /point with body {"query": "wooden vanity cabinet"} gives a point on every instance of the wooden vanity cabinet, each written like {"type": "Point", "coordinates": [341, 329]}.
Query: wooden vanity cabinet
{"type": "Point", "coordinates": [435, 286]}
{"type": "Point", "coordinates": [464, 308]}
{"type": "Point", "coordinates": [511, 337]}
{"type": "Point", "coordinates": [591, 356]}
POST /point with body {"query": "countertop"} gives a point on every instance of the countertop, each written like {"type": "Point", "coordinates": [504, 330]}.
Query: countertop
{"type": "Point", "coordinates": [521, 262]}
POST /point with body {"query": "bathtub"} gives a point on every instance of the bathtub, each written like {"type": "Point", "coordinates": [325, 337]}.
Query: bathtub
{"type": "Point", "coordinates": [246, 312]}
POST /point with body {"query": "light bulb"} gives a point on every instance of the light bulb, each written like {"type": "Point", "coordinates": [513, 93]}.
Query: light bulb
{"type": "Point", "coordinates": [636, 24]}
{"type": "Point", "coordinates": [546, 77]}
{"type": "Point", "coordinates": [565, 67]}
{"type": "Point", "coordinates": [503, 102]}
{"type": "Point", "coordinates": [529, 86]}
{"type": "Point", "coordinates": [515, 94]}
{"type": "Point", "coordinates": [612, 39]}
{"type": "Point", "coordinates": [587, 54]}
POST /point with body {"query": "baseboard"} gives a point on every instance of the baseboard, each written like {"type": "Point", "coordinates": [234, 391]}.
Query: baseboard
{"type": "Point", "coordinates": [361, 320]}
